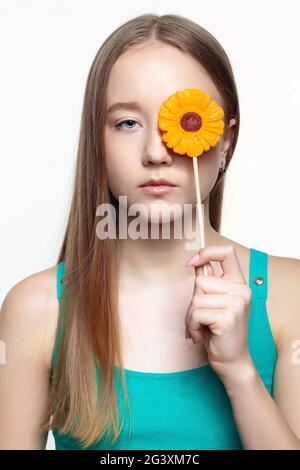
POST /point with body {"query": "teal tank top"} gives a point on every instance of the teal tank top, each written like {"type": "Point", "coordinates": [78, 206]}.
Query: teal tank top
{"type": "Point", "coordinates": [187, 409]}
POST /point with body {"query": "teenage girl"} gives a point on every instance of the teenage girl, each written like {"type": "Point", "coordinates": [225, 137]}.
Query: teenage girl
{"type": "Point", "coordinates": [96, 345]}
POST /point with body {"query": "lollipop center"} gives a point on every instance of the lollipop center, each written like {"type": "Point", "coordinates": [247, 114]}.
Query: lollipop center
{"type": "Point", "coordinates": [191, 121]}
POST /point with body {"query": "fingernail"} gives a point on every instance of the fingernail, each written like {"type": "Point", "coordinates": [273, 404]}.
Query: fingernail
{"type": "Point", "coordinates": [192, 260]}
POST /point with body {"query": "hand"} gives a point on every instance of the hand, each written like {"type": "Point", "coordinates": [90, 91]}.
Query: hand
{"type": "Point", "coordinates": [219, 311]}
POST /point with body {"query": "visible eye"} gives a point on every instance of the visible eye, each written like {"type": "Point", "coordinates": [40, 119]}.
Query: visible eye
{"type": "Point", "coordinates": [119, 124]}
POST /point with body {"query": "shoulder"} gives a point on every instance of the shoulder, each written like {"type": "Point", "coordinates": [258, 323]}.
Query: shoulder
{"type": "Point", "coordinates": [29, 313]}
{"type": "Point", "coordinates": [27, 326]}
{"type": "Point", "coordinates": [285, 304]}
{"type": "Point", "coordinates": [284, 297]}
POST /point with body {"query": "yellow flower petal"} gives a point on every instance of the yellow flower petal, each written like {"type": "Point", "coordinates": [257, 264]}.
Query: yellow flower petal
{"type": "Point", "coordinates": [190, 139]}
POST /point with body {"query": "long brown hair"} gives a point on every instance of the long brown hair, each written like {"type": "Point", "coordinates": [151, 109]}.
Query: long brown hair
{"type": "Point", "coordinates": [88, 306]}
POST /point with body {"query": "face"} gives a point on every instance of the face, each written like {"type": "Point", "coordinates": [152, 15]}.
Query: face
{"type": "Point", "coordinates": [134, 149]}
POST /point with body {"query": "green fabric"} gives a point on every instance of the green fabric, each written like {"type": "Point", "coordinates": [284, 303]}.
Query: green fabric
{"type": "Point", "coordinates": [187, 409]}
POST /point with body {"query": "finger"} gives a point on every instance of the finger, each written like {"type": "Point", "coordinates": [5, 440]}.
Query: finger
{"type": "Point", "coordinates": [219, 285]}
{"type": "Point", "coordinates": [226, 255]}
{"type": "Point", "coordinates": [203, 334]}
{"type": "Point", "coordinates": [201, 270]}
{"type": "Point", "coordinates": [210, 318]}
{"type": "Point", "coordinates": [215, 301]}
{"type": "Point", "coordinates": [197, 335]}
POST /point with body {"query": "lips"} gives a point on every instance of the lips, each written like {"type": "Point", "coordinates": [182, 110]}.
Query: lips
{"type": "Point", "coordinates": [157, 182]}
{"type": "Point", "coordinates": [157, 190]}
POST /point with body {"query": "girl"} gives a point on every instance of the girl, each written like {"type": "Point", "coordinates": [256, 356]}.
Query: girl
{"type": "Point", "coordinates": [96, 345]}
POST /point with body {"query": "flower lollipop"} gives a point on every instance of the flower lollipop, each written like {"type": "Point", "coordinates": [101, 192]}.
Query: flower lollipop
{"type": "Point", "coordinates": [191, 122]}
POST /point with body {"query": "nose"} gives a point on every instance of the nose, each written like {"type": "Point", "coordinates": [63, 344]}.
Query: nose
{"type": "Point", "coordinates": [156, 151]}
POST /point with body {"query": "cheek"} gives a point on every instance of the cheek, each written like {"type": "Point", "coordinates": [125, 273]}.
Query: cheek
{"type": "Point", "coordinates": [116, 176]}
{"type": "Point", "coordinates": [119, 157]}
{"type": "Point", "coordinates": [115, 170]}
{"type": "Point", "coordinates": [121, 175]}
{"type": "Point", "coordinates": [208, 172]}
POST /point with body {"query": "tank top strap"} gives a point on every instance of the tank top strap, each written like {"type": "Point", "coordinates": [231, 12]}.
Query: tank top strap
{"type": "Point", "coordinates": [59, 276]}
{"type": "Point", "coordinates": [260, 336]}
{"type": "Point", "coordinates": [59, 330]}
{"type": "Point", "coordinates": [258, 276]}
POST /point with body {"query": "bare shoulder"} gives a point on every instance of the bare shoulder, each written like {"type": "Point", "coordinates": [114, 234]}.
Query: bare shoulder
{"type": "Point", "coordinates": [283, 303]}
{"type": "Point", "coordinates": [31, 306]}
{"type": "Point", "coordinates": [284, 281]}
{"type": "Point", "coordinates": [28, 319]}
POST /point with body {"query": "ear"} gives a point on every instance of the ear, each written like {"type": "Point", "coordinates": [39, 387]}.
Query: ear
{"type": "Point", "coordinates": [228, 136]}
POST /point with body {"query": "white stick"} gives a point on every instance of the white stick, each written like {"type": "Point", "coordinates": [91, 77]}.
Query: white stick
{"type": "Point", "coordinates": [200, 207]}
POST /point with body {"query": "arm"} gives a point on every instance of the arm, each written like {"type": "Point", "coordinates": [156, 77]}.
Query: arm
{"type": "Point", "coordinates": [265, 423]}
{"type": "Point", "coordinates": [24, 377]}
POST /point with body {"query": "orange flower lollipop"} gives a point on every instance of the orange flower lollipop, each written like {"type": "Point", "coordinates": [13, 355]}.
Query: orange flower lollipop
{"type": "Point", "coordinates": [191, 122]}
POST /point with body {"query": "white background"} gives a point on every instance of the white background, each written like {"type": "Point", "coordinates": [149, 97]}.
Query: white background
{"type": "Point", "coordinates": [46, 50]}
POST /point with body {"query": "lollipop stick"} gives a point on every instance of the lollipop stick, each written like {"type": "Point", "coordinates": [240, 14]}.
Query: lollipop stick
{"type": "Point", "coordinates": [199, 206]}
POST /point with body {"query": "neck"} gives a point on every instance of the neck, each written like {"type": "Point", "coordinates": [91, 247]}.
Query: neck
{"type": "Point", "coordinates": [163, 259]}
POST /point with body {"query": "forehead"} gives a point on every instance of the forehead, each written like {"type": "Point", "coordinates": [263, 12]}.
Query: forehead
{"type": "Point", "coordinates": [150, 74]}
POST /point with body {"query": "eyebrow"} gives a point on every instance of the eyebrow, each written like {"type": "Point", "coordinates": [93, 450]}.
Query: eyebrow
{"type": "Point", "coordinates": [133, 105]}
